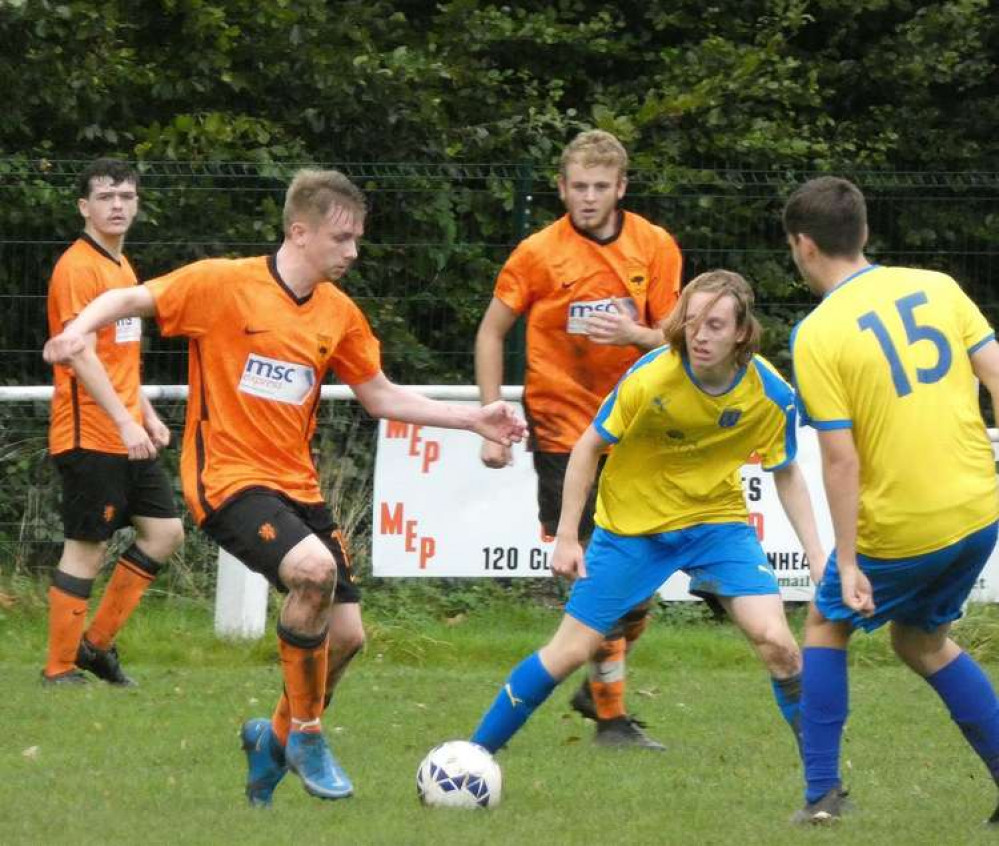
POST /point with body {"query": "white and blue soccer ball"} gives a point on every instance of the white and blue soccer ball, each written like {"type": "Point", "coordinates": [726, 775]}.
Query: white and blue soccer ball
{"type": "Point", "coordinates": [459, 774]}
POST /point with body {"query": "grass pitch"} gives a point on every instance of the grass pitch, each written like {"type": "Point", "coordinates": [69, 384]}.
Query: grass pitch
{"type": "Point", "coordinates": [161, 763]}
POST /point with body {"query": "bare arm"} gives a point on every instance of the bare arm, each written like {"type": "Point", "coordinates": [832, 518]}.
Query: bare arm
{"type": "Point", "coordinates": [90, 371]}
{"type": "Point", "coordinates": [567, 559]}
{"type": "Point", "coordinates": [496, 324]}
{"type": "Point", "coordinates": [841, 477]}
{"type": "Point", "coordinates": [497, 421]}
{"type": "Point", "coordinates": [792, 491]}
{"type": "Point", "coordinates": [985, 363]}
{"type": "Point", "coordinates": [136, 301]}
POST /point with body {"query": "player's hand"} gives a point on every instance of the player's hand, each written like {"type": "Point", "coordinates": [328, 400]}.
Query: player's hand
{"type": "Point", "coordinates": [158, 433]}
{"type": "Point", "coordinates": [615, 328]}
{"type": "Point", "coordinates": [61, 348]}
{"type": "Point", "coordinates": [496, 455]}
{"type": "Point", "coordinates": [136, 441]}
{"type": "Point", "coordinates": [568, 559]}
{"type": "Point", "coordinates": [498, 422]}
{"type": "Point", "coordinates": [857, 592]}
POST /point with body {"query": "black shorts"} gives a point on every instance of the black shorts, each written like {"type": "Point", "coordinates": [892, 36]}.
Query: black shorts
{"type": "Point", "coordinates": [260, 527]}
{"type": "Point", "coordinates": [550, 467]}
{"type": "Point", "coordinates": [102, 492]}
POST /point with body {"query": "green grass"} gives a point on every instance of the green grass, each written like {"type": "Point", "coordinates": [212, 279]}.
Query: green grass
{"type": "Point", "coordinates": [161, 764]}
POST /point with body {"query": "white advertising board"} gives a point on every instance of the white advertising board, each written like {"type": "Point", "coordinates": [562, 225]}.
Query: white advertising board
{"type": "Point", "coordinates": [438, 511]}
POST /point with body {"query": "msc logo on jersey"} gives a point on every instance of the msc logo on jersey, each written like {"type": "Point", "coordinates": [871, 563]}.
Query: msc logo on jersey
{"type": "Point", "coordinates": [280, 381]}
{"type": "Point", "coordinates": [729, 417]}
{"type": "Point", "coordinates": [580, 310]}
{"type": "Point", "coordinates": [128, 330]}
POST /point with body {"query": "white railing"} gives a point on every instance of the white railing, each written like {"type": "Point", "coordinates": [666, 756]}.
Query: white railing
{"type": "Point", "coordinates": [241, 595]}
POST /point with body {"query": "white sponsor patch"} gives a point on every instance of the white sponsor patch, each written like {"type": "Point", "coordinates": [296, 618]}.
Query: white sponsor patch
{"type": "Point", "coordinates": [128, 330]}
{"type": "Point", "coordinates": [579, 311]}
{"type": "Point", "coordinates": [281, 381]}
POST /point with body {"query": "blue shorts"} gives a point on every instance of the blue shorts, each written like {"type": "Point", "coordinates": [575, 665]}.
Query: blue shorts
{"type": "Point", "coordinates": [724, 559]}
{"type": "Point", "coordinates": [925, 591]}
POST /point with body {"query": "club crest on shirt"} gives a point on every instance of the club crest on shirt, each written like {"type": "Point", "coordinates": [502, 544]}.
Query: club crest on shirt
{"type": "Point", "coordinates": [325, 343]}
{"type": "Point", "coordinates": [729, 417]}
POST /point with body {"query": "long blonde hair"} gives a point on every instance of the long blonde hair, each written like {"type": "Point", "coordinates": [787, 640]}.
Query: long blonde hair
{"type": "Point", "coordinates": [720, 283]}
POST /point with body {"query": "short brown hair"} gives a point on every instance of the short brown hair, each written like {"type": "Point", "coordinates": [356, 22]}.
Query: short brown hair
{"type": "Point", "coordinates": [832, 212]}
{"type": "Point", "coordinates": [595, 147]}
{"type": "Point", "coordinates": [114, 169]}
{"type": "Point", "coordinates": [313, 193]}
{"type": "Point", "coordinates": [719, 283]}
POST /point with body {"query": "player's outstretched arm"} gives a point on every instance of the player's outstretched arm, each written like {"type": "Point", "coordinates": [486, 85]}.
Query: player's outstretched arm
{"type": "Point", "coordinates": [496, 324]}
{"type": "Point", "coordinates": [985, 363]}
{"type": "Point", "coordinates": [792, 491]}
{"type": "Point", "coordinates": [567, 559]}
{"type": "Point", "coordinates": [110, 306]}
{"type": "Point", "coordinates": [497, 421]}
{"type": "Point", "coordinates": [841, 477]}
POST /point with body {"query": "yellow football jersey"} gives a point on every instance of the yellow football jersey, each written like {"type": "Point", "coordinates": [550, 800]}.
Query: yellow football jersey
{"type": "Point", "coordinates": [678, 450]}
{"type": "Point", "coordinates": [886, 354]}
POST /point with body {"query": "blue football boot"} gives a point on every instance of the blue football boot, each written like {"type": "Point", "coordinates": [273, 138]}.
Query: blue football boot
{"type": "Point", "coordinates": [309, 756]}
{"type": "Point", "coordinates": [265, 759]}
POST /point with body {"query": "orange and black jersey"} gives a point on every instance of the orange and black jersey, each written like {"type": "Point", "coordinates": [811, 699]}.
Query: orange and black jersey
{"type": "Point", "coordinates": [85, 271]}
{"type": "Point", "coordinates": [558, 277]}
{"type": "Point", "coordinates": [258, 356]}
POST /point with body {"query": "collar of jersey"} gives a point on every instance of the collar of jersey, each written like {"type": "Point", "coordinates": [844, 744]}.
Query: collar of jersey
{"type": "Point", "coordinates": [603, 242]}
{"type": "Point", "coordinates": [697, 383]}
{"type": "Point", "coordinates": [273, 268]}
{"type": "Point", "coordinates": [851, 277]}
{"type": "Point", "coordinates": [93, 243]}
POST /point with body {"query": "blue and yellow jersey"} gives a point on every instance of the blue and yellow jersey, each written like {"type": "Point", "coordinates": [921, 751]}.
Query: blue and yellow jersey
{"type": "Point", "coordinates": [678, 449]}
{"type": "Point", "coordinates": [886, 354]}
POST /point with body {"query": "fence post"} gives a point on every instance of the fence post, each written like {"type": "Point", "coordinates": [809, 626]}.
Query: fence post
{"type": "Point", "coordinates": [240, 600]}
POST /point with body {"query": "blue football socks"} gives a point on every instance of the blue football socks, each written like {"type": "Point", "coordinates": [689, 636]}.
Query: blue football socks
{"type": "Point", "coordinates": [971, 700]}
{"type": "Point", "coordinates": [824, 706]}
{"type": "Point", "coordinates": [787, 692]}
{"type": "Point", "coordinates": [528, 686]}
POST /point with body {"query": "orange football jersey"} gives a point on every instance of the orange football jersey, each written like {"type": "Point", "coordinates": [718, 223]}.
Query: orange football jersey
{"type": "Point", "coordinates": [558, 277]}
{"type": "Point", "coordinates": [258, 356]}
{"type": "Point", "coordinates": [82, 273]}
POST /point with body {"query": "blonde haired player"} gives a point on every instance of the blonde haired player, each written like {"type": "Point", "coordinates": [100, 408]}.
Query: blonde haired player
{"type": "Point", "coordinates": [683, 421]}
{"type": "Point", "coordinates": [594, 288]}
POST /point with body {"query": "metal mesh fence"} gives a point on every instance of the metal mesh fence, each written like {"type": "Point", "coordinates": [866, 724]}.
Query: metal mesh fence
{"type": "Point", "coordinates": [435, 237]}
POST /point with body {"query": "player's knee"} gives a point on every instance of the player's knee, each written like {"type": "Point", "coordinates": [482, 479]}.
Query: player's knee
{"type": "Point", "coordinates": [313, 574]}
{"type": "Point", "coordinates": [161, 539]}
{"type": "Point", "coordinates": [634, 623]}
{"type": "Point", "coordinates": [347, 642]}
{"type": "Point", "coordinates": [778, 647]}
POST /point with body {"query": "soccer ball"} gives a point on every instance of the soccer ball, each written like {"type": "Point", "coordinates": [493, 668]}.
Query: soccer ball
{"type": "Point", "coordinates": [459, 774]}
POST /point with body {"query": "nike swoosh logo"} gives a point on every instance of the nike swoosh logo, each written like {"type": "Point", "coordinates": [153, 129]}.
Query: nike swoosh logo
{"type": "Point", "coordinates": [250, 331]}
{"type": "Point", "coordinates": [514, 700]}
{"type": "Point", "coordinates": [78, 612]}
{"type": "Point", "coordinates": [568, 284]}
